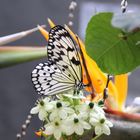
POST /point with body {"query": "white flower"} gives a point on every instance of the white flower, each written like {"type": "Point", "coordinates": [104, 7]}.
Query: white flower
{"type": "Point", "coordinates": [75, 123]}
{"type": "Point", "coordinates": [61, 110]}
{"type": "Point", "coordinates": [101, 124]}
{"type": "Point", "coordinates": [97, 109]}
{"type": "Point", "coordinates": [90, 109]}
{"type": "Point", "coordinates": [56, 128]}
{"type": "Point", "coordinates": [42, 107]}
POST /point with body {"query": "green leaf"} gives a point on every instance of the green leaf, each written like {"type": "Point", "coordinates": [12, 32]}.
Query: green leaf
{"type": "Point", "coordinates": [15, 55]}
{"type": "Point", "coordinates": [114, 51]}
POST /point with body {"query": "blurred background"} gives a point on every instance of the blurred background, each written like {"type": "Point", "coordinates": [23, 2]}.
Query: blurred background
{"type": "Point", "coordinates": [17, 95]}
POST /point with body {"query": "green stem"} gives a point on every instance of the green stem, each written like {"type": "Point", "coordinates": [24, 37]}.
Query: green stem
{"type": "Point", "coordinates": [95, 138]}
{"type": "Point", "coordinates": [16, 55]}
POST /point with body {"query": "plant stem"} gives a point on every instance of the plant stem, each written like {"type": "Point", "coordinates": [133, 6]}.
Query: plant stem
{"type": "Point", "coordinates": [124, 115]}
{"type": "Point", "coordinates": [95, 138]}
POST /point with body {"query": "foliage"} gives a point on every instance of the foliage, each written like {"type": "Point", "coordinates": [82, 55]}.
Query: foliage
{"type": "Point", "coordinates": [114, 50]}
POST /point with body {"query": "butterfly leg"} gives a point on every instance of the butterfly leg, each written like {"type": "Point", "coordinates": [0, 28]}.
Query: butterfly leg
{"type": "Point", "coordinates": [53, 97]}
{"type": "Point", "coordinates": [75, 92]}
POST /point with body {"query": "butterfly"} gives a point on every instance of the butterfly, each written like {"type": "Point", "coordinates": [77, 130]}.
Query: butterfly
{"type": "Point", "coordinates": [63, 69]}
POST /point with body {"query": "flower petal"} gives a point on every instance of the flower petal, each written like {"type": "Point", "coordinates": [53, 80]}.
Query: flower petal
{"type": "Point", "coordinates": [98, 109]}
{"type": "Point", "coordinates": [93, 121]}
{"type": "Point", "coordinates": [49, 129]}
{"type": "Point", "coordinates": [49, 107]}
{"type": "Point", "coordinates": [106, 130]}
{"type": "Point", "coordinates": [46, 100]}
{"type": "Point", "coordinates": [57, 134]}
{"type": "Point", "coordinates": [79, 129]}
{"type": "Point", "coordinates": [82, 107]}
{"type": "Point", "coordinates": [85, 125]}
{"type": "Point", "coordinates": [98, 130]}
{"type": "Point", "coordinates": [42, 114]}
{"type": "Point", "coordinates": [68, 130]}
{"type": "Point", "coordinates": [34, 110]}
{"type": "Point", "coordinates": [53, 115]}
{"type": "Point", "coordinates": [109, 123]}
{"type": "Point", "coordinates": [69, 110]}
{"type": "Point", "coordinates": [62, 114]}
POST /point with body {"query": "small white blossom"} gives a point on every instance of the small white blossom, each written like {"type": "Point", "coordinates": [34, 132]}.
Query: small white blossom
{"type": "Point", "coordinates": [97, 109]}
{"type": "Point", "coordinates": [54, 128]}
{"type": "Point", "coordinates": [76, 123]}
{"type": "Point", "coordinates": [90, 108]}
{"type": "Point", "coordinates": [101, 124]}
{"type": "Point", "coordinates": [41, 108]}
{"type": "Point", "coordinates": [61, 110]}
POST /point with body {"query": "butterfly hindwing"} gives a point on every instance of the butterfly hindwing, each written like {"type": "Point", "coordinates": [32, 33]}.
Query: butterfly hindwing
{"type": "Point", "coordinates": [49, 79]}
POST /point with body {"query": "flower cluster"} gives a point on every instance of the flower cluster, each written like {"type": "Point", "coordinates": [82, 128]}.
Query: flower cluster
{"type": "Point", "coordinates": [68, 115]}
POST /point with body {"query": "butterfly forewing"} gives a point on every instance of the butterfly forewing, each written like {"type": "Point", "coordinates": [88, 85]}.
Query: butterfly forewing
{"type": "Point", "coordinates": [62, 51]}
{"type": "Point", "coordinates": [62, 71]}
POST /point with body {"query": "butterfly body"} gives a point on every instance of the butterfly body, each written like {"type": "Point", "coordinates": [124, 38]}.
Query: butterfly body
{"type": "Point", "coordinates": [62, 71]}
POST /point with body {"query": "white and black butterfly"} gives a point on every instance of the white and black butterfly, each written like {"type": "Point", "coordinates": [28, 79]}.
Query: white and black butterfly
{"type": "Point", "coordinates": [63, 70]}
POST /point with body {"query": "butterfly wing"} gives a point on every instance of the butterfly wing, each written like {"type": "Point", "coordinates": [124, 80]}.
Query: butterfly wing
{"type": "Point", "coordinates": [49, 79]}
{"type": "Point", "coordinates": [62, 71]}
{"type": "Point", "coordinates": [63, 51]}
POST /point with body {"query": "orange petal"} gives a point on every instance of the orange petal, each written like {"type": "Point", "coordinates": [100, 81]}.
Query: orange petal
{"type": "Point", "coordinates": [94, 74]}
{"type": "Point", "coordinates": [71, 33]}
{"type": "Point", "coordinates": [38, 133]}
{"type": "Point", "coordinates": [43, 32]}
{"type": "Point", "coordinates": [92, 67]}
{"type": "Point", "coordinates": [51, 23]}
{"type": "Point", "coordinates": [121, 83]}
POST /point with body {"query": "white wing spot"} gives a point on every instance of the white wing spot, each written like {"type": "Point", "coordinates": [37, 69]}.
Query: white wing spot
{"type": "Point", "coordinates": [34, 75]}
{"type": "Point", "coordinates": [49, 47]}
{"type": "Point", "coordinates": [35, 82]}
{"type": "Point", "coordinates": [38, 89]}
{"type": "Point", "coordinates": [34, 71]}
{"type": "Point", "coordinates": [37, 86]}
{"type": "Point", "coordinates": [34, 79]}
{"type": "Point", "coordinates": [41, 64]}
{"type": "Point", "coordinates": [38, 67]}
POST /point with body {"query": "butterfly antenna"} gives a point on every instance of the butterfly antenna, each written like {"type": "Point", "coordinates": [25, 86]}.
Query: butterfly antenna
{"type": "Point", "coordinates": [84, 64]}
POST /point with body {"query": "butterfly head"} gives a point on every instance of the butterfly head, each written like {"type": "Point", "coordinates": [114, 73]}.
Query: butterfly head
{"type": "Point", "coordinates": [79, 86]}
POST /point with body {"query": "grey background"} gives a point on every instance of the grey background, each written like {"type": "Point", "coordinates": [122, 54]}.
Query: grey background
{"type": "Point", "coordinates": [17, 95]}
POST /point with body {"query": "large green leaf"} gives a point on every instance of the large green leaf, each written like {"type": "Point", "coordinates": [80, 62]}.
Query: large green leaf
{"type": "Point", "coordinates": [17, 55]}
{"type": "Point", "coordinates": [114, 51]}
